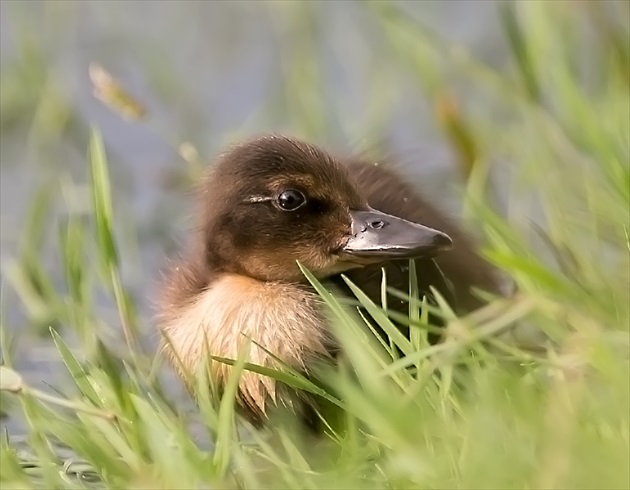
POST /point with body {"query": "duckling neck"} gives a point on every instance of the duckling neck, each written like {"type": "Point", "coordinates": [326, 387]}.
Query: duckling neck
{"type": "Point", "coordinates": [282, 318]}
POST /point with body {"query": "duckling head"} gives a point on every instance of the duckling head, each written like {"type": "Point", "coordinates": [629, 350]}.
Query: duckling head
{"type": "Point", "coordinates": [273, 201]}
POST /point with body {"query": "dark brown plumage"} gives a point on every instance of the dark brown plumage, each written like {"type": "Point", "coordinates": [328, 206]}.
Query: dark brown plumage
{"type": "Point", "coordinates": [271, 201]}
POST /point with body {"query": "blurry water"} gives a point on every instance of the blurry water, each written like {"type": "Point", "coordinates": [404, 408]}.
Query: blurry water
{"type": "Point", "coordinates": [202, 69]}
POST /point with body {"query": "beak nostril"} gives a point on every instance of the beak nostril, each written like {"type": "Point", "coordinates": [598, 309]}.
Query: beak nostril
{"type": "Point", "coordinates": [377, 224]}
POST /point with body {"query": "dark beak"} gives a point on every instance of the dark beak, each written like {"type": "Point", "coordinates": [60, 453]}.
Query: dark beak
{"type": "Point", "coordinates": [378, 236]}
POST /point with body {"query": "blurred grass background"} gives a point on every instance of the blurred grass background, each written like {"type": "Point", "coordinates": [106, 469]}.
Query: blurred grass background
{"type": "Point", "coordinates": [514, 116]}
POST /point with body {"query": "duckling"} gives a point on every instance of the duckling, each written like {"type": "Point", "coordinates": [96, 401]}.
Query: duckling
{"type": "Point", "coordinates": [268, 203]}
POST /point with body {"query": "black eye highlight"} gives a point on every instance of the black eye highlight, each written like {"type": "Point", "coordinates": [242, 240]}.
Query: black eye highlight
{"type": "Point", "coordinates": [291, 199]}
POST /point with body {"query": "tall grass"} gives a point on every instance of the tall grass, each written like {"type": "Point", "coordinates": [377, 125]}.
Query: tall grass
{"type": "Point", "coordinates": [551, 413]}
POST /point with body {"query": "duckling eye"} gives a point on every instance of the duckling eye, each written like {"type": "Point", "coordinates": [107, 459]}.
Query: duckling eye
{"type": "Point", "coordinates": [290, 200]}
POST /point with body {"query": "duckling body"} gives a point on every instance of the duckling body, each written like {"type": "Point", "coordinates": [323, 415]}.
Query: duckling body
{"type": "Point", "coordinates": [270, 202]}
